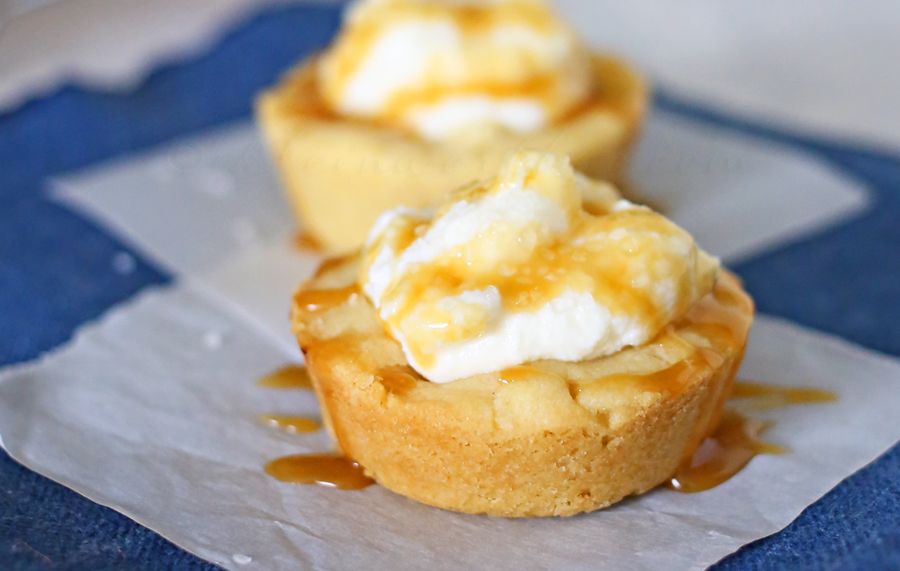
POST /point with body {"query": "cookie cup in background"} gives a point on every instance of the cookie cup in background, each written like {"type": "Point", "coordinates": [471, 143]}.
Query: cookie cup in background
{"type": "Point", "coordinates": [341, 173]}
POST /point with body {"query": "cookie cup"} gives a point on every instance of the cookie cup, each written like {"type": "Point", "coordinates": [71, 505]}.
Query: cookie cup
{"type": "Point", "coordinates": [340, 173]}
{"type": "Point", "coordinates": [548, 438]}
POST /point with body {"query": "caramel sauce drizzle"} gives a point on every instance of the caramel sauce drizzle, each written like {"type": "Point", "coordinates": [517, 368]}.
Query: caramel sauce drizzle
{"type": "Point", "coordinates": [318, 300]}
{"type": "Point", "coordinates": [613, 94]}
{"type": "Point", "coordinates": [521, 373]}
{"type": "Point", "coordinates": [723, 454]}
{"type": "Point", "coordinates": [290, 424]}
{"type": "Point", "coordinates": [671, 380]}
{"type": "Point", "coordinates": [330, 470]}
{"type": "Point", "coordinates": [397, 380]}
{"type": "Point", "coordinates": [773, 396]}
{"type": "Point", "coordinates": [289, 377]}
{"type": "Point", "coordinates": [736, 440]}
{"type": "Point", "coordinates": [551, 268]}
{"type": "Point", "coordinates": [306, 242]}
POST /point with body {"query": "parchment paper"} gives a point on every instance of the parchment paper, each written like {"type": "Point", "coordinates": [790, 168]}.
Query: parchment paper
{"type": "Point", "coordinates": [153, 410]}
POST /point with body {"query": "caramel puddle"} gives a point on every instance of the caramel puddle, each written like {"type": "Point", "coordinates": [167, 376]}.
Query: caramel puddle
{"type": "Point", "coordinates": [330, 470]}
{"type": "Point", "coordinates": [291, 424]}
{"type": "Point", "coordinates": [773, 396]}
{"type": "Point", "coordinates": [723, 454]}
{"type": "Point", "coordinates": [289, 377]}
{"type": "Point", "coordinates": [736, 440]}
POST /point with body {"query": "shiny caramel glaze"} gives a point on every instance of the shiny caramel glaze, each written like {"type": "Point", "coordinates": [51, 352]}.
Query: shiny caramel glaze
{"type": "Point", "coordinates": [520, 374]}
{"type": "Point", "coordinates": [617, 257]}
{"type": "Point", "coordinates": [289, 377]}
{"type": "Point", "coordinates": [723, 454]}
{"type": "Point", "coordinates": [736, 439]}
{"type": "Point", "coordinates": [330, 470]}
{"type": "Point", "coordinates": [306, 242]}
{"type": "Point", "coordinates": [613, 92]}
{"type": "Point", "coordinates": [291, 424]}
{"type": "Point", "coordinates": [669, 381]}
{"type": "Point", "coordinates": [316, 301]}
{"type": "Point", "coordinates": [761, 395]}
{"type": "Point", "coordinates": [398, 380]}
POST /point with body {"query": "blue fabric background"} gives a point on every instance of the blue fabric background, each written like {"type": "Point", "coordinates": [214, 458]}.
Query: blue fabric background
{"type": "Point", "coordinates": [56, 273]}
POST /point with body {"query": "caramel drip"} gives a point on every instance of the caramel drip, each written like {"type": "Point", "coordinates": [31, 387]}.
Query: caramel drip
{"type": "Point", "coordinates": [521, 373]}
{"type": "Point", "coordinates": [335, 262]}
{"type": "Point", "coordinates": [773, 396]}
{"type": "Point", "coordinates": [291, 424]}
{"type": "Point", "coordinates": [724, 453]}
{"type": "Point", "coordinates": [407, 235]}
{"type": "Point", "coordinates": [736, 439]}
{"type": "Point", "coordinates": [671, 380]}
{"type": "Point", "coordinates": [306, 242]}
{"type": "Point", "coordinates": [542, 88]}
{"type": "Point", "coordinates": [318, 300]}
{"type": "Point", "coordinates": [329, 470]}
{"type": "Point", "coordinates": [289, 377]}
{"type": "Point", "coordinates": [595, 209]}
{"type": "Point", "coordinates": [397, 380]}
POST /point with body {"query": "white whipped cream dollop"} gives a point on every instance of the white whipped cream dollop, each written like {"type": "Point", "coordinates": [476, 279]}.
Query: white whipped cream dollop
{"type": "Point", "coordinates": [540, 263]}
{"type": "Point", "coordinates": [439, 67]}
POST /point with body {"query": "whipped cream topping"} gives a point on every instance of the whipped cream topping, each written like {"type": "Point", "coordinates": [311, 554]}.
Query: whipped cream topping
{"type": "Point", "coordinates": [540, 263]}
{"type": "Point", "coordinates": [441, 67]}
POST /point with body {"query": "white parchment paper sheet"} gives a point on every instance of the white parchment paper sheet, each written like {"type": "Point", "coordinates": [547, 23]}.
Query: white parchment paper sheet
{"type": "Point", "coordinates": [143, 414]}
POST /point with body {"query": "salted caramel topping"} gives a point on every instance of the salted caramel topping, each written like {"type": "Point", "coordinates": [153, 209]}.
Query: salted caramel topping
{"type": "Point", "coordinates": [762, 395]}
{"type": "Point", "coordinates": [289, 377]}
{"type": "Point", "coordinates": [397, 380]}
{"type": "Point", "coordinates": [330, 470]}
{"type": "Point", "coordinates": [306, 242]}
{"type": "Point", "coordinates": [524, 243]}
{"type": "Point", "coordinates": [670, 381]}
{"type": "Point", "coordinates": [724, 453]}
{"type": "Point", "coordinates": [736, 439]}
{"type": "Point", "coordinates": [317, 300]}
{"type": "Point", "coordinates": [291, 424]}
{"type": "Point", "coordinates": [520, 374]}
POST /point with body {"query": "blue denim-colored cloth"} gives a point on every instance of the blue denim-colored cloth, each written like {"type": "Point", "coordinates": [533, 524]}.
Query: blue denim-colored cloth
{"type": "Point", "coordinates": [56, 273]}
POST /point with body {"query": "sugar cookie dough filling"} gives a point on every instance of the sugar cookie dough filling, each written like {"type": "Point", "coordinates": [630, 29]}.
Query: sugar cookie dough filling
{"type": "Point", "coordinates": [540, 263]}
{"type": "Point", "coordinates": [439, 67]}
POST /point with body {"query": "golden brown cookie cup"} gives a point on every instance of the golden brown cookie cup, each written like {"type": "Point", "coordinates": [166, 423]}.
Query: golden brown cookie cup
{"type": "Point", "coordinates": [554, 438]}
{"type": "Point", "coordinates": [341, 173]}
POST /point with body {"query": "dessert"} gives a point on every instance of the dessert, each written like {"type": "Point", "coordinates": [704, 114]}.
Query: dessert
{"type": "Point", "coordinates": [534, 346]}
{"type": "Point", "coordinates": [418, 96]}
